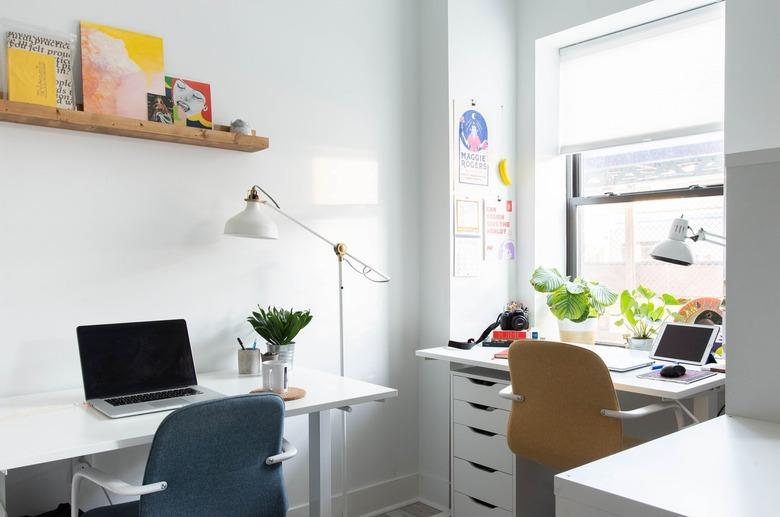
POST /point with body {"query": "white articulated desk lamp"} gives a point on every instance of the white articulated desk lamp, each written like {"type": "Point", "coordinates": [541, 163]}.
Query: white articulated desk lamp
{"type": "Point", "coordinates": [252, 223]}
{"type": "Point", "coordinates": [674, 250]}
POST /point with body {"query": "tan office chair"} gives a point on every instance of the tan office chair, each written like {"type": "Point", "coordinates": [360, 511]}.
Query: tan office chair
{"type": "Point", "coordinates": [565, 411]}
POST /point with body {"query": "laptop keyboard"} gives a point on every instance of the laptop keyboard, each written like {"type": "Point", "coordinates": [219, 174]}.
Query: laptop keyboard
{"type": "Point", "coordinates": [149, 397]}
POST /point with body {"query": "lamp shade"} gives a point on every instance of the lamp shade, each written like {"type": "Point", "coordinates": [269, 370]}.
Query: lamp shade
{"type": "Point", "coordinates": [252, 223]}
{"type": "Point", "coordinates": [674, 249]}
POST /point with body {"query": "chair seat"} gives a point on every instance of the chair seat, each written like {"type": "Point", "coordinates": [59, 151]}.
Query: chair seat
{"type": "Point", "coordinates": [631, 441]}
{"type": "Point", "coordinates": [118, 510]}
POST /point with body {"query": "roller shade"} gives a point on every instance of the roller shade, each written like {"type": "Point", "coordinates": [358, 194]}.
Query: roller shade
{"type": "Point", "coordinates": [663, 79]}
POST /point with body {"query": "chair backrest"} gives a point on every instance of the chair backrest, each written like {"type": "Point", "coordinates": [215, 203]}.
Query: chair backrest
{"type": "Point", "coordinates": [559, 422]}
{"type": "Point", "coordinates": [212, 455]}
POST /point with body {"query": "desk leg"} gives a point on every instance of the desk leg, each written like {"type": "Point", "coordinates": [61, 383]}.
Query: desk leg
{"type": "Point", "coordinates": [3, 500]}
{"type": "Point", "coordinates": [319, 464]}
{"type": "Point", "coordinates": [704, 406]}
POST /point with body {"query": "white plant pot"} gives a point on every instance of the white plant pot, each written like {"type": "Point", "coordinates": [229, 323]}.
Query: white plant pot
{"type": "Point", "coordinates": [636, 343]}
{"type": "Point", "coordinates": [583, 332]}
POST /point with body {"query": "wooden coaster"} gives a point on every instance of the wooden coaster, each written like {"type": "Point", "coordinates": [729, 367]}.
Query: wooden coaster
{"type": "Point", "coordinates": [293, 393]}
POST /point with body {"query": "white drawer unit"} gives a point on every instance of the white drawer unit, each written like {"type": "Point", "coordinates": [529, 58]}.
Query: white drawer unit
{"type": "Point", "coordinates": [483, 468]}
{"type": "Point", "coordinates": [482, 447]}
{"type": "Point", "coordinates": [480, 391]}
{"type": "Point", "coordinates": [466, 506]}
{"type": "Point", "coordinates": [488, 485]}
{"type": "Point", "coordinates": [480, 416]}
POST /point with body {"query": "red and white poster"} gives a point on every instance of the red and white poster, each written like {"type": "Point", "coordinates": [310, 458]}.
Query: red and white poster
{"type": "Point", "coordinates": [499, 230]}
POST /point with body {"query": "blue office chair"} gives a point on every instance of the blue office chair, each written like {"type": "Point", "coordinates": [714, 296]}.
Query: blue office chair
{"type": "Point", "coordinates": [219, 457]}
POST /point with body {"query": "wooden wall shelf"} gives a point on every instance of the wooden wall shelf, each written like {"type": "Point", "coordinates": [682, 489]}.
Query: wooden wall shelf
{"type": "Point", "coordinates": [219, 137]}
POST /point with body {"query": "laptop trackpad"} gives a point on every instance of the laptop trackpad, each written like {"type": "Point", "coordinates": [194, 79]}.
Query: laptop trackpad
{"type": "Point", "coordinates": [169, 403]}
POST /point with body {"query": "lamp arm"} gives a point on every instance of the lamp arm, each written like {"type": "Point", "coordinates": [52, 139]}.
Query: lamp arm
{"type": "Point", "coordinates": [705, 236]}
{"type": "Point", "coordinates": [367, 269]}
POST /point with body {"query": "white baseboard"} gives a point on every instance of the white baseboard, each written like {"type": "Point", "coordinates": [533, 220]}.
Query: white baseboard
{"type": "Point", "coordinates": [373, 499]}
{"type": "Point", "coordinates": [435, 490]}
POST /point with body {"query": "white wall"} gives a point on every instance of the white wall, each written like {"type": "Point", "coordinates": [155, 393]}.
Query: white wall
{"type": "Point", "coordinates": [434, 128]}
{"type": "Point", "coordinates": [103, 229]}
{"type": "Point", "coordinates": [466, 53]}
{"type": "Point", "coordinates": [752, 80]}
{"type": "Point", "coordinates": [752, 185]}
{"type": "Point", "coordinates": [541, 177]}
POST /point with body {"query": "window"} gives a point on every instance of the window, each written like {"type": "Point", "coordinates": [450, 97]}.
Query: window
{"type": "Point", "coordinates": [621, 204]}
{"type": "Point", "coordinates": [640, 120]}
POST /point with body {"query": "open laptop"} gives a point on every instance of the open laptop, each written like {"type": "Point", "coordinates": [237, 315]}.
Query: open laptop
{"type": "Point", "coordinates": [619, 359]}
{"type": "Point", "coordinates": [136, 368]}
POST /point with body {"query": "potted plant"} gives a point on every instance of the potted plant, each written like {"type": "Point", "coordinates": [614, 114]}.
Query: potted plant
{"type": "Point", "coordinates": [576, 303]}
{"type": "Point", "coordinates": [643, 314]}
{"type": "Point", "coordinates": [279, 327]}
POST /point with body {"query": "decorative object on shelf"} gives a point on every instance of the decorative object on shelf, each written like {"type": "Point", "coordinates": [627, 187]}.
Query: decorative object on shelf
{"type": "Point", "coordinates": [159, 108]}
{"type": "Point", "coordinates": [191, 102]}
{"type": "Point", "coordinates": [279, 327]}
{"type": "Point", "coordinates": [39, 65]}
{"type": "Point", "coordinates": [31, 77]}
{"type": "Point", "coordinates": [576, 303]}
{"type": "Point", "coordinates": [252, 223]}
{"type": "Point", "coordinates": [119, 68]}
{"type": "Point", "coordinates": [242, 127]}
{"type": "Point", "coordinates": [643, 314]}
{"type": "Point", "coordinates": [674, 250]}
{"type": "Point", "coordinates": [220, 137]}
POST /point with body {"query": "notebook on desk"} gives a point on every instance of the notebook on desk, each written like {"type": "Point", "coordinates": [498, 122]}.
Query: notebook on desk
{"type": "Point", "coordinates": [617, 359]}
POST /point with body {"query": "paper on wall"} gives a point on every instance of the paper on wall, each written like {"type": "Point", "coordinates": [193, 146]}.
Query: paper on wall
{"type": "Point", "coordinates": [468, 256]}
{"type": "Point", "coordinates": [499, 230]}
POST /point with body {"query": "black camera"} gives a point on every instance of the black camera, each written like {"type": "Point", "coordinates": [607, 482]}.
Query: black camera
{"type": "Point", "coordinates": [515, 318]}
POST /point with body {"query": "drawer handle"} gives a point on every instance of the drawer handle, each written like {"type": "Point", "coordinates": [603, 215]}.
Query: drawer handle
{"type": "Point", "coordinates": [482, 467]}
{"type": "Point", "coordinates": [481, 407]}
{"type": "Point", "coordinates": [482, 503]}
{"type": "Point", "coordinates": [481, 431]}
{"type": "Point", "coordinates": [481, 382]}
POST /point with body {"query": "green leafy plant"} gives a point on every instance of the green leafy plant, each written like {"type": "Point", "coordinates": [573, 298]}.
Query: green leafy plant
{"type": "Point", "coordinates": [279, 326]}
{"type": "Point", "coordinates": [644, 312]}
{"type": "Point", "coordinates": [575, 300]}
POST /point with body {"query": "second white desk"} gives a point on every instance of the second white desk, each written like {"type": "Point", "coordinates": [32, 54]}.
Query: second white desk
{"type": "Point", "coordinates": [483, 471]}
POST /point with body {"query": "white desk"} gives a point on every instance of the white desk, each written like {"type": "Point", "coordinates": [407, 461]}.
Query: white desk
{"type": "Point", "coordinates": [26, 424]}
{"type": "Point", "coordinates": [700, 391]}
{"type": "Point", "coordinates": [722, 468]}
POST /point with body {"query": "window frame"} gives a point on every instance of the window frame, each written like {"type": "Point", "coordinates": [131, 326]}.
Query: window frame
{"type": "Point", "coordinates": [575, 199]}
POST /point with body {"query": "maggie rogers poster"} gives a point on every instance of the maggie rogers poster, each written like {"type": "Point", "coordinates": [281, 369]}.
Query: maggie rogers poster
{"type": "Point", "coordinates": [473, 159]}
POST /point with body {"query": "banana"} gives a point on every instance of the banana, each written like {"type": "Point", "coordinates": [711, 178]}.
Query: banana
{"type": "Point", "coordinates": [505, 179]}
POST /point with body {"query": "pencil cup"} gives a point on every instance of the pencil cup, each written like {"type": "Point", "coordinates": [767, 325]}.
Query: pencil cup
{"type": "Point", "coordinates": [249, 362]}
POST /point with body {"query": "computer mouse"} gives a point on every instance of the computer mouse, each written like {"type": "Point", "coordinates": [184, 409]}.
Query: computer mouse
{"type": "Point", "coordinates": [673, 370]}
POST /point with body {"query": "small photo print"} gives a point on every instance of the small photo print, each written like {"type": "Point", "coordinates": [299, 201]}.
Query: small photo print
{"type": "Point", "coordinates": [159, 108]}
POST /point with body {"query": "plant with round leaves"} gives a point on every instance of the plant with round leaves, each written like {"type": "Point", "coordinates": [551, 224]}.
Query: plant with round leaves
{"type": "Point", "coordinates": [279, 326]}
{"type": "Point", "coordinates": [575, 300]}
{"type": "Point", "coordinates": [644, 312]}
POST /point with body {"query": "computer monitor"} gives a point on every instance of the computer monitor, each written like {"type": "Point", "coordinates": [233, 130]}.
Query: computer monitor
{"type": "Point", "coordinates": [684, 343]}
{"type": "Point", "coordinates": [127, 358]}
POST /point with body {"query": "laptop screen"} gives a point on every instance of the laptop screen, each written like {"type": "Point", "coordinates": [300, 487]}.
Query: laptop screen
{"type": "Point", "coordinates": [127, 358]}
